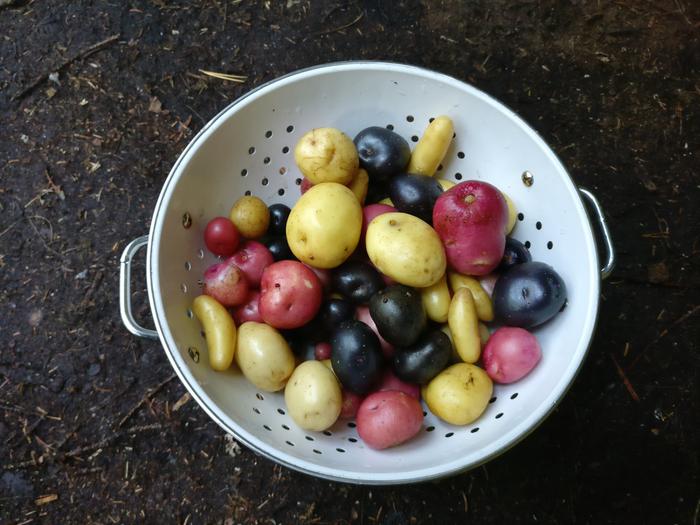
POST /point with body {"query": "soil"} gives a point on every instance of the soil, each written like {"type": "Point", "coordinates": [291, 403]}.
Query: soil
{"type": "Point", "coordinates": [89, 431]}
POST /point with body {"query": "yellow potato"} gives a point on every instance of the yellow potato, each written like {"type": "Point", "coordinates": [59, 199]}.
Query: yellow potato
{"type": "Point", "coordinates": [387, 201]}
{"type": "Point", "coordinates": [359, 185]}
{"type": "Point", "coordinates": [464, 326]}
{"type": "Point", "coordinates": [512, 213]}
{"type": "Point", "coordinates": [431, 147]}
{"type": "Point", "coordinates": [454, 357]}
{"type": "Point", "coordinates": [459, 394]}
{"type": "Point", "coordinates": [327, 155]}
{"type": "Point", "coordinates": [436, 300]}
{"type": "Point", "coordinates": [406, 249]}
{"type": "Point", "coordinates": [251, 217]}
{"type": "Point", "coordinates": [324, 225]}
{"type": "Point", "coordinates": [446, 184]}
{"type": "Point", "coordinates": [484, 308]}
{"type": "Point", "coordinates": [484, 334]}
{"type": "Point", "coordinates": [264, 356]}
{"type": "Point", "coordinates": [219, 329]}
{"type": "Point", "coordinates": [313, 396]}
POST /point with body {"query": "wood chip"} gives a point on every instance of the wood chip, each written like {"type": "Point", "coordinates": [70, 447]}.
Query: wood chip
{"type": "Point", "coordinates": [43, 500]}
{"type": "Point", "coordinates": [182, 401]}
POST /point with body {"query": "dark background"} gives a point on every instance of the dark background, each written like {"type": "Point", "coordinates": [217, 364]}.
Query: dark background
{"type": "Point", "coordinates": [613, 86]}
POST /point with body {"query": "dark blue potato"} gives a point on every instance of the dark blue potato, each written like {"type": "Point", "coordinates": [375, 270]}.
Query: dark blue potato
{"type": "Point", "coordinates": [382, 152]}
{"type": "Point", "coordinates": [515, 253]}
{"type": "Point", "coordinates": [356, 356]}
{"type": "Point", "coordinates": [278, 247]}
{"type": "Point", "coordinates": [279, 213]}
{"type": "Point", "coordinates": [376, 191]}
{"type": "Point", "coordinates": [398, 312]}
{"type": "Point", "coordinates": [335, 311]}
{"type": "Point", "coordinates": [424, 359]}
{"type": "Point", "coordinates": [357, 281]}
{"type": "Point", "coordinates": [415, 194]}
{"type": "Point", "coordinates": [528, 295]}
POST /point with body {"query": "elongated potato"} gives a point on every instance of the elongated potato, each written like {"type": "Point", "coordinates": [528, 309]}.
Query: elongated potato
{"type": "Point", "coordinates": [264, 356]}
{"type": "Point", "coordinates": [359, 185]}
{"type": "Point", "coordinates": [220, 331]}
{"type": "Point", "coordinates": [446, 184]}
{"type": "Point", "coordinates": [313, 396]}
{"type": "Point", "coordinates": [406, 249]}
{"type": "Point", "coordinates": [459, 394]}
{"type": "Point", "coordinates": [327, 155]}
{"type": "Point", "coordinates": [512, 213]}
{"type": "Point", "coordinates": [464, 326]}
{"type": "Point", "coordinates": [436, 300]}
{"type": "Point", "coordinates": [484, 308]}
{"type": "Point", "coordinates": [431, 147]}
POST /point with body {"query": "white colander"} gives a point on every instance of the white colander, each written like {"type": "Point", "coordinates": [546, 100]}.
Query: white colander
{"type": "Point", "coordinates": [248, 149]}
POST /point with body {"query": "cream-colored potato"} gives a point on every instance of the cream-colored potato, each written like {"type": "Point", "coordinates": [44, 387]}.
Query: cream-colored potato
{"type": "Point", "coordinates": [512, 213]}
{"type": "Point", "coordinates": [264, 356]}
{"type": "Point", "coordinates": [324, 226]}
{"type": "Point", "coordinates": [251, 216]}
{"type": "Point", "coordinates": [359, 185]}
{"type": "Point", "coordinates": [436, 300]}
{"type": "Point", "coordinates": [446, 184]}
{"type": "Point", "coordinates": [431, 147]}
{"type": "Point", "coordinates": [406, 249]}
{"type": "Point", "coordinates": [484, 307]}
{"type": "Point", "coordinates": [327, 155]}
{"type": "Point", "coordinates": [464, 326]}
{"type": "Point", "coordinates": [313, 396]}
{"type": "Point", "coordinates": [219, 328]}
{"type": "Point", "coordinates": [459, 394]}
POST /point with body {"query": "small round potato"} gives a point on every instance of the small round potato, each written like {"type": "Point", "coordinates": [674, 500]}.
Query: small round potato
{"type": "Point", "coordinates": [327, 155]}
{"type": "Point", "coordinates": [406, 249]}
{"type": "Point", "coordinates": [324, 226]}
{"type": "Point", "coordinates": [251, 217]}
{"type": "Point", "coordinates": [313, 396]}
{"type": "Point", "coordinates": [459, 394]}
{"type": "Point", "coordinates": [264, 356]}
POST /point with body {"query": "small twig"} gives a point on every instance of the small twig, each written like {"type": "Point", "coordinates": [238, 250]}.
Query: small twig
{"type": "Point", "coordinates": [224, 76]}
{"type": "Point", "coordinates": [145, 398]}
{"type": "Point", "coordinates": [623, 376]}
{"type": "Point", "coordinates": [335, 29]}
{"type": "Point", "coordinates": [82, 54]}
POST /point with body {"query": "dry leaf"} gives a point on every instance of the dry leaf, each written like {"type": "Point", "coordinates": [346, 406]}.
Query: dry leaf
{"type": "Point", "coordinates": [155, 106]}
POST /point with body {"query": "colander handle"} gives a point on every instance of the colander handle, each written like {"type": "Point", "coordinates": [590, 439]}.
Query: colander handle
{"type": "Point", "coordinates": [125, 289]}
{"type": "Point", "coordinates": [606, 270]}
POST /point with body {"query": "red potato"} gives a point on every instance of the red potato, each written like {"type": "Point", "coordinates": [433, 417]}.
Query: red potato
{"type": "Point", "coordinates": [389, 418]}
{"type": "Point", "coordinates": [221, 236]}
{"type": "Point", "coordinates": [252, 258]}
{"type": "Point", "coordinates": [226, 283]}
{"type": "Point", "coordinates": [290, 294]}
{"type": "Point", "coordinates": [364, 316]}
{"type": "Point", "coordinates": [510, 354]}
{"type": "Point", "coordinates": [488, 282]}
{"type": "Point", "coordinates": [470, 219]}
{"type": "Point", "coordinates": [248, 311]}
{"type": "Point", "coordinates": [305, 185]}
{"type": "Point", "coordinates": [322, 351]}
{"type": "Point", "coordinates": [391, 382]}
{"type": "Point", "coordinates": [351, 404]}
{"type": "Point", "coordinates": [371, 211]}
{"type": "Point", "coordinates": [323, 275]}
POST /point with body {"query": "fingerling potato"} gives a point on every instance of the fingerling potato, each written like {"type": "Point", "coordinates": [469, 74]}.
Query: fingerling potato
{"type": "Point", "coordinates": [464, 326]}
{"type": "Point", "coordinates": [220, 331]}
{"type": "Point", "coordinates": [484, 308]}
{"type": "Point", "coordinates": [431, 147]}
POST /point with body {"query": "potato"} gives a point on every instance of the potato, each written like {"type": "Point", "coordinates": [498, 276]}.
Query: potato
{"type": "Point", "coordinates": [264, 356]}
{"type": "Point", "coordinates": [251, 216]}
{"type": "Point", "coordinates": [388, 418]}
{"type": "Point", "coordinates": [406, 249]}
{"type": "Point", "coordinates": [359, 185]}
{"type": "Point", "coordinates": [511, 354]}
{"type": "Point", "coordinates": [446, 184]}
{"type": "Point", "coordinates": [484, 308]}
{"type": "Point", "coordinates": [484, 334]}
{"type": "Point", "coordinates": [220, 331]}
{"type": "Point", "coordinates": [459, 394]}
{"type": "Point", "coordinates": [226, 283]}
{"type": "Point", "coordinates": [431, 147]}
{"type": "Point", "coordinates": [313, 396]}
{"type": "Point", "coordinates": [327, 155]}
{"type": "Point", "coordinates": [512, 213]}
{"type": "Point", "coordinates": [464, 326]}
{"type": "Point", "coordinates": [387, 201]}
{"type": "Point", "coordinates": [290, 294]}
{"type": "Point", "coordinates": [324, 225]}
{"type": "Point", "coordinates": [436, 300]}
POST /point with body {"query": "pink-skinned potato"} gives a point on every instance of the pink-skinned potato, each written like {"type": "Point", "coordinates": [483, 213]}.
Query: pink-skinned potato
{"type": "Point", "coordinates": [391, 382]}
{"type": "Point", "coordinates": [510, 354]}
{"type": "Point", "coordinates": [252, 258]}
{"type": "Point", "coordinates": [305, 185]}
{"type": "Point", "coordinates": [323, 275]}
{"type": "Point", "coordinates": [249, 310]}
{"type": "Point", "coordinates": [470, 219]}
{"type": "Point", "coordinates": [369, 212]}
{"type": "Point", "coordinates": [389, 418]}
{"type": "Point", "coordinates": [226, 283]}
{"type": "Point", "coordinates": [362, 314]}
{"type": "Point", "coordinates": [290, 294]}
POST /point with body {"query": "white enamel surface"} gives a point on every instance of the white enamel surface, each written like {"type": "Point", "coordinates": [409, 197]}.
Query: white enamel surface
{"type": "Point", "coordinates": [498, 147]}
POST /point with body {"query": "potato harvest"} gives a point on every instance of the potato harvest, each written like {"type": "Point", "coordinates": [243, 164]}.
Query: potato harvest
{"type": "Point", "coordinates": [384, 291]}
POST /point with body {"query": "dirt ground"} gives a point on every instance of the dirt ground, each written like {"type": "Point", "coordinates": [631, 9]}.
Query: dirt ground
{"type": "Point", "coordinates": [97, 99]}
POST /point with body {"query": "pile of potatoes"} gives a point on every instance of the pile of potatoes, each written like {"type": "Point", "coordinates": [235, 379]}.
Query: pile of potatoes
{"type": "Point", "coordinates": [372, 291]}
